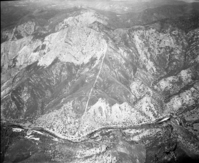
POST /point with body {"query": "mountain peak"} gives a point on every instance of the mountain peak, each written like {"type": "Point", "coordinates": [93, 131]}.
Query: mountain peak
{"type": "Point", "coordinates": [88, 85]}
{"type": "Point", "coordinates": [84, 18]}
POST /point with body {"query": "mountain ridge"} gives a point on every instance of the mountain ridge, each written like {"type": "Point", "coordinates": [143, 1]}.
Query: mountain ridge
{"type": "Point", "coordinates": [131, 85]}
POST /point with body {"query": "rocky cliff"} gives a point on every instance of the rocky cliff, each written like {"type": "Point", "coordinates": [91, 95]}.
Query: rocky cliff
{"type": "Point", "coordinates": [79, 89]}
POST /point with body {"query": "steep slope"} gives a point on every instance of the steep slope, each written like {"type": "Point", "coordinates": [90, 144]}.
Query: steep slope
{"type": "Point", "coordinates": [96, 93]}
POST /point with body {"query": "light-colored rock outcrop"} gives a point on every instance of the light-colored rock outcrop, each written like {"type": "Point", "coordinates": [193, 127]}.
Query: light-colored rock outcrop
{"type": "Point", "coordinates": [88, 83]}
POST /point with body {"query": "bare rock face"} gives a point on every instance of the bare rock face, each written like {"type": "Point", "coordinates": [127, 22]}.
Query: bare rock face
{"type": "Point", "coordinates": [26, 29]}
{"type": "Point", "coordinates": [91, 93]}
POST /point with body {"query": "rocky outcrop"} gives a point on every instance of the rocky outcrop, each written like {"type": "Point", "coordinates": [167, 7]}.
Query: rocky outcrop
{"type": "Point", "coordinates": [89, 93]}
